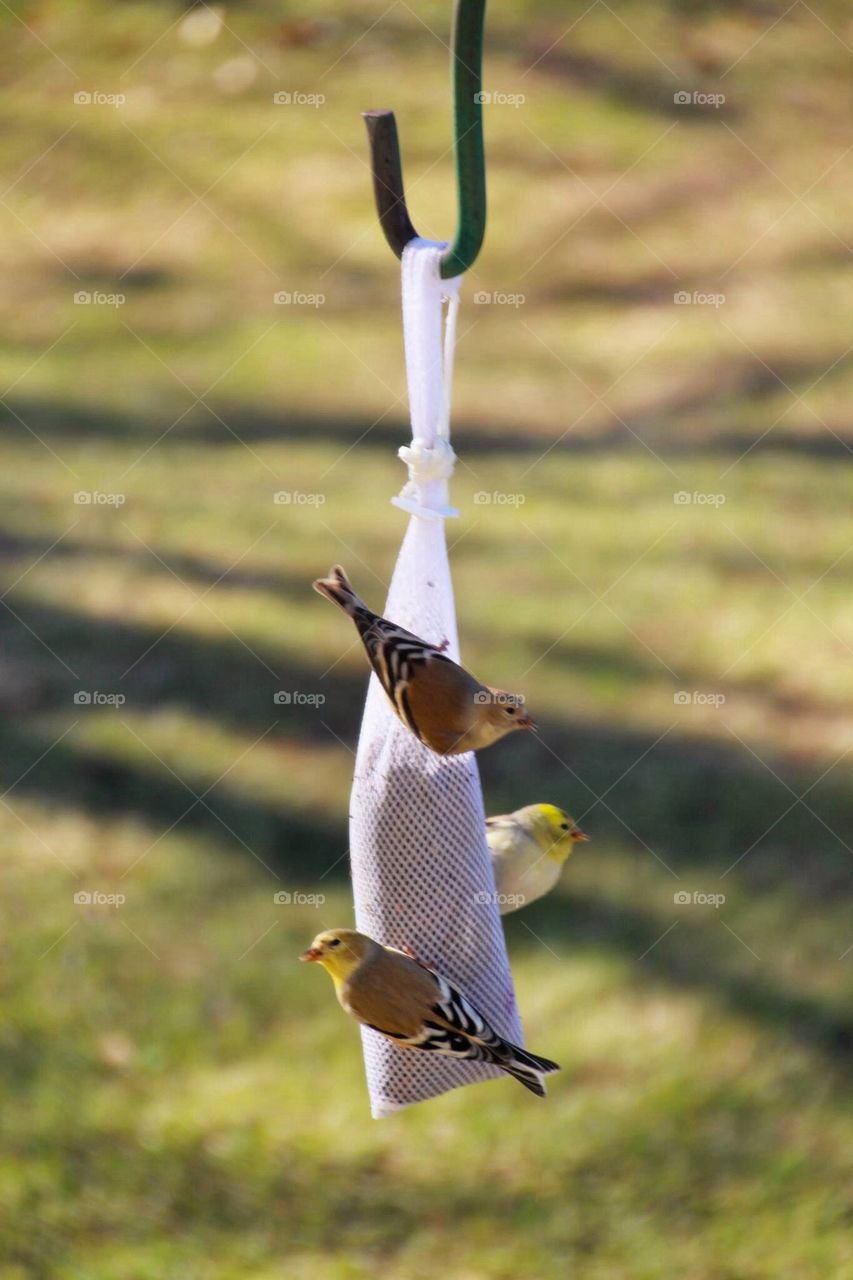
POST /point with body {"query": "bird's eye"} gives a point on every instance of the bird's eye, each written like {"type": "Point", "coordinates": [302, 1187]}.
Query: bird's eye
{"type": "Point", "coordinates": [510, 711]}
{"type": "Point", "coordinates": [335, 942]}
{"type": "Point", "coordinates": [564, 826]}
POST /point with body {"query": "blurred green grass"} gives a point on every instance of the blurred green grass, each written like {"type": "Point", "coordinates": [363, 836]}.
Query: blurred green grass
{"type": "Point", "coordinates": [183, 1099]}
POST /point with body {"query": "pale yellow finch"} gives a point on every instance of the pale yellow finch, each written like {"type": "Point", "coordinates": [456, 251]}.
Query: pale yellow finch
{"type": "Point", "coordinates": [416, 1008]}
{"type": "Point", "coordinates": [438, 700]}
{"type": "Point", "coordinates": [528, 849]}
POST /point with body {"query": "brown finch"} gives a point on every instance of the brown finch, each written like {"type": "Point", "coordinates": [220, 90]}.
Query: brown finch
{"type": "Point", "coordinates": [416, 1008]}
{"type": "Point", "coordinates": [442, 703]}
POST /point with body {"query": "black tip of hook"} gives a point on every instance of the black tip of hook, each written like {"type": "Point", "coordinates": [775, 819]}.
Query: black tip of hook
{"type": "Point", "coordinates": [387, 170]}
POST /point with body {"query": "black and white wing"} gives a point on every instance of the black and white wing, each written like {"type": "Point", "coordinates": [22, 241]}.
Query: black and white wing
{"type": "Point", "coordinates": [459, 1030]}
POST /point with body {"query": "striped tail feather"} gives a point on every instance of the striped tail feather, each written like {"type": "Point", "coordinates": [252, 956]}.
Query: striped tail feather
{"type": "Point", "coordinates": [530, 1079]}
{"type": "Point", "coordinates": [391, 649]}
{"type": "Point", "coordinates": [467, 1034]}
{"type": "Point", "coordinates": [532, 1060]}
{"type": "Point", "coordinates": [527, 1068]}
{"type": "Point", "coordinates": [338, 588]}
{"type": "Point", "coordinates": [463, 1017]}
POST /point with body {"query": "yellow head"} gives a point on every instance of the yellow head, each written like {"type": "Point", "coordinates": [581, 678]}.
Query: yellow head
{"type": "Point", "coordinates": [339, 951]}
{"type": "Point", "coordinates": [554, 830]}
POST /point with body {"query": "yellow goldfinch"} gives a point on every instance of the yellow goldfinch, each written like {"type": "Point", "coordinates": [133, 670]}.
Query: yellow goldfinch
{"type": "Point", "coordinates": [442, 704]}
{"type": "Point", "coordinates": [528, 849]}
{"type": "Point", "coordinates": [398, 996]}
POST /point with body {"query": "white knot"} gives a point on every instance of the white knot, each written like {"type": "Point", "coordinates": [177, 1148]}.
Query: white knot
{"type": "Point", "coordinates": [427, 464]}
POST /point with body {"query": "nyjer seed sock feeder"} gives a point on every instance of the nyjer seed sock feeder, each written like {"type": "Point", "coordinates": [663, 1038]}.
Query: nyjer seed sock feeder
{"type": "Point", "coordinates": [421, 870]}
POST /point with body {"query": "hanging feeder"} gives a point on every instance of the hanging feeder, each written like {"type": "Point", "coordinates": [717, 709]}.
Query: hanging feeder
{"type": "Point", "coordinates": [421, 868]}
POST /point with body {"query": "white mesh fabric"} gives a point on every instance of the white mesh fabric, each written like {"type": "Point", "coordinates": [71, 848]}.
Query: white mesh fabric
{"type": "Point", "coordinates": [422, 875]}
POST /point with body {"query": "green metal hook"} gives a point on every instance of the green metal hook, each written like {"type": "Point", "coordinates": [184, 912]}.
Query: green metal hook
{"type": "Point", "coordinates": [466, 62]}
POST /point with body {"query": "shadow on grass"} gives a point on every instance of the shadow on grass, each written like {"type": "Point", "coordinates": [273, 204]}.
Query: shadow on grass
{"type": "Point", "coordinates": [234, 1186]}
{"type": "Point", "coordinates": [712, 391]}
{"type": "Point", "coordinates": [196, 570]}
{"type": "Point", "coordinates": [325, 1205]}
{"type": "Point", "coordinates": [645, 89]}
{"type": "Point", "coordinates": [706, 958]}
{"type": "Point", "coordinates": [692, 801]}
{"type": "Point", "coordinates": [235, 1183]}
{"type": "Point", "coordinates": [693, 804]}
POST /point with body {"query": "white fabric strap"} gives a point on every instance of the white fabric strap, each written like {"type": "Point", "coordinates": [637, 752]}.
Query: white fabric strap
{"type": "Point", "coordinates": [429, 457]}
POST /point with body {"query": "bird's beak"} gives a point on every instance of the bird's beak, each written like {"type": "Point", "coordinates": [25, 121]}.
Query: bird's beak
{"type": "Point", "coordinates": [526, 721]}
{"type": "Point", "coordinates": [577, 834]}
{"type": "Point", "coordinates": [313, 953]}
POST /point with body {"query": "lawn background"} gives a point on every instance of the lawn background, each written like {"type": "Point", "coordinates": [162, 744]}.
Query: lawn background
{"type": "Point", "coordinates": [181, 1098]}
